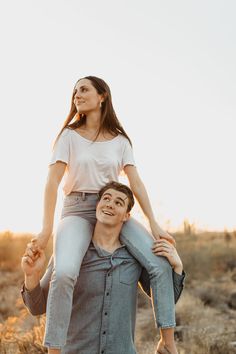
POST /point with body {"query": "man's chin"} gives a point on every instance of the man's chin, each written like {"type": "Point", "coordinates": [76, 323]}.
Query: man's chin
{"type": "Point", "coordinates": [102, 218]}
{"type": "Point", "coordinates": [106, 221]}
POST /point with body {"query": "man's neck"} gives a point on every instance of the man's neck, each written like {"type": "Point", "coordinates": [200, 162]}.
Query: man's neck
{"type": "Point", "coordinates": [107, 237]}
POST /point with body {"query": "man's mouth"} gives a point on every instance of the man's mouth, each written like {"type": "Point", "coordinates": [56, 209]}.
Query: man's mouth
{"type": "Point", "coordinates": [106, 212]}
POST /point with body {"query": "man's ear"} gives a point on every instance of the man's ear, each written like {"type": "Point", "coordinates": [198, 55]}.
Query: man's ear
{"type": "Point", "coordinates": [126, 217]}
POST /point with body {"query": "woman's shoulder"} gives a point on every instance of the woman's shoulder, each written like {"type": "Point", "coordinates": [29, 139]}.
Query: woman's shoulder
{"type": "Point", "coordinates": [123, 140]}
{"type": "Point", "coordinates": [63, 137]}
{"type": "Point", "coordinates": [66, 132]}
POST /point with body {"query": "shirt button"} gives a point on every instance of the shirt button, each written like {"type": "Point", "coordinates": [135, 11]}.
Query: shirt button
{"type": "Point", "coordinates": [107, 294]}
{"type": "Point", "coordinates": [104, 332]}
{"type": "Point", "coordinates": [105, 313]}
{"type": "Point", "coordinates": [103, 351]}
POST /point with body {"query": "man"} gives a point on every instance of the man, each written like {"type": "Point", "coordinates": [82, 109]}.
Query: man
{"type": "Point", "coordinates": [104, 301]}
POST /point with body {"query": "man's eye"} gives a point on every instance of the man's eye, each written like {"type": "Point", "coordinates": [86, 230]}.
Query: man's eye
{"type": "Point", "coordinates": [105, 198]}
{"type": "Point", "coordinates": [118, 203]}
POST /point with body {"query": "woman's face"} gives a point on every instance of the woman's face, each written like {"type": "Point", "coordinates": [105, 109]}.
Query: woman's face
{"type": "Point", "coordinates": [86, 98]}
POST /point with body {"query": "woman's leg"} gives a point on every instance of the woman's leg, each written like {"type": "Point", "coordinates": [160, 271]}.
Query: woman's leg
{"type": "Point", "coordinates": [139, 242]}
{"type": "Point", "coordinates": [70, 245]}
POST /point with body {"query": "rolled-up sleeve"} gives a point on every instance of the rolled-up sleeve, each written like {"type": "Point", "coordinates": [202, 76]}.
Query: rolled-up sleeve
{"type": "Point", "coordinates": [178, 282]}
{"type": "Point", "coordinates": [128, 156]}
{"type": "Point", "coordinates": [61, 150]}
{"type": "Point", "coordinates": [34, 300]}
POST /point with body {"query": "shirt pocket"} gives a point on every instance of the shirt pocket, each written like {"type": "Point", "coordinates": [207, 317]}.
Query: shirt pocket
{"type": "Point", "coordinates": [129, 272]}
{"type": "Point", "coordinates": [71, 200]}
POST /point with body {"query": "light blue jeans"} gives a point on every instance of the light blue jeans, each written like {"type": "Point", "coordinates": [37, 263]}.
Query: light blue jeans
{"type": "Point", "coordinates": [70, 245]}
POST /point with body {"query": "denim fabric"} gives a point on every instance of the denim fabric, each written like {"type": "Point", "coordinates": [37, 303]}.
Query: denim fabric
{"type": "Point", "coordinates": [71, 242]}
{"type": "Point", "coordinates": [139, 243]}
{"type": "Point", "coordinates": [104, 302]}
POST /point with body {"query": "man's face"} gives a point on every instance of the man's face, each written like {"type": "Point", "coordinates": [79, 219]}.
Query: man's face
{"type": "Point", "coordinates": [112, 208]}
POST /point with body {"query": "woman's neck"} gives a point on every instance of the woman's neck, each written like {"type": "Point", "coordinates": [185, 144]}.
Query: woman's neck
{"type": "Point", "coordinates": [93, 121]}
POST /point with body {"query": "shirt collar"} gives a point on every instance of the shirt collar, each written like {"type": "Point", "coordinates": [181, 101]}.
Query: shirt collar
{"type": "Point", "coordinates": [103, 253]}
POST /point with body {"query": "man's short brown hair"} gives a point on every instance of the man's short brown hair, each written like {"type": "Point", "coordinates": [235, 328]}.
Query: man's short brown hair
{"type": "Point", "coordinates": [120, 188]}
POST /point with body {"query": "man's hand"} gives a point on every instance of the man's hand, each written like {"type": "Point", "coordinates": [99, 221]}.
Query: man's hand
{"type": "Point", "coordinates": [33, 260]}
{"type": "Point", "coordinates": [164, 248]}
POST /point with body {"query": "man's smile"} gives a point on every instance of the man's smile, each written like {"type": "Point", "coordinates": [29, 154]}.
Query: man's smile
{"type": "Point", "coordinates": [107, 212]}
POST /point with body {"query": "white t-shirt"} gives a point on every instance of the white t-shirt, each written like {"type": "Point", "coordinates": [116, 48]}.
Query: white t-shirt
{"type": "Point", "coordinates": [90, 165]}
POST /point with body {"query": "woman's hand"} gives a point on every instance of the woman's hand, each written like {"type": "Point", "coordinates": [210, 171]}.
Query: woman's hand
{"type": "Point", "coordinates": [164, 248]}
{"type": "Point", "coordinates": [159, 233]}
{"type": "Point", "coordinates": [41, 240]}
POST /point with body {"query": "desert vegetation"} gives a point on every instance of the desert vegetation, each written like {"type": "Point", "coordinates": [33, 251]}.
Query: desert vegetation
{"type": "Point", "coordinates": [206, 312]}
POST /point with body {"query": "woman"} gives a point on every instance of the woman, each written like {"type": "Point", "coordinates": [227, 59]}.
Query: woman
{"type": "Point", "coordinates": [92, 149]}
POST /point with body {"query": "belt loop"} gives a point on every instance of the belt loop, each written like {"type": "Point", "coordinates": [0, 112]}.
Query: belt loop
{"type": "Point", "coordinates": [83, 196]}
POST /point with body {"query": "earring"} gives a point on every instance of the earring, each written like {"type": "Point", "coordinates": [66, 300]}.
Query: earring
{"type": "Point", "coordinates": [101, 104]}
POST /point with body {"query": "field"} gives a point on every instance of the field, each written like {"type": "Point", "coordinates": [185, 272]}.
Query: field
{"type": "Point", "coordinates": [206, 312]}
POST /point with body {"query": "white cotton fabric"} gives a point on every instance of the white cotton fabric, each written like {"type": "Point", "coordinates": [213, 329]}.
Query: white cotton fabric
{"type": "Point", "coordinates": [90, 165]}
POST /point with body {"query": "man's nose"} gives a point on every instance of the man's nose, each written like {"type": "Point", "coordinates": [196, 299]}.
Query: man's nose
{"type": "Point", "coordinates": [109, 204]}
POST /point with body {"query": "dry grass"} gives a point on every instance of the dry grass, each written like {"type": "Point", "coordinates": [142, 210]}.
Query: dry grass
{"type": "Point", "coordinates": [206, 324]}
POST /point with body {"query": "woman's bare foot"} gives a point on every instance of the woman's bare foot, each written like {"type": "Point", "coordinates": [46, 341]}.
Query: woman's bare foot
{"type": "Point", "coordinates": [163, 348]}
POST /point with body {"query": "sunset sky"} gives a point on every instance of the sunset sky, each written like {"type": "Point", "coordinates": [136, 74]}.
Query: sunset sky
{"type": "Point", "coordinates": [171, 69]}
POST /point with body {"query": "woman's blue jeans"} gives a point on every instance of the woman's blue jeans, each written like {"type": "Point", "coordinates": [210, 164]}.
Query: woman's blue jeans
{"type": "Point", "coordinates": [70, 245]}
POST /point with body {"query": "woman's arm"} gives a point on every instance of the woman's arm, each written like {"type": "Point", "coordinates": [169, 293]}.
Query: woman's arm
{"type": "Point", "coordinates": [55, 174]}
{"type": "Point", "coordinates": [141, 195]}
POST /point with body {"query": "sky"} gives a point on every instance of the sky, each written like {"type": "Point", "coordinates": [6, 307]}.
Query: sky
{"type": "Point", "coordinates": [171, 69]}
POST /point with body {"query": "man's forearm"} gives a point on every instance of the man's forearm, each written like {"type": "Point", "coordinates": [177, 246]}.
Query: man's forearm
{"type": "Point", "coordinates": [33, 296]}
{"type": "Point", "coordinates": [178, 269]}
{"type": "Point", "coordinates": [31, 281]}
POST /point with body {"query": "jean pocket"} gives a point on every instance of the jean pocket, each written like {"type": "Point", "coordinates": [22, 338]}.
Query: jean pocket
{"type": "Point", "coordinates": [129, 272]}
{"type": "Point", "coordinates": [70, 200]}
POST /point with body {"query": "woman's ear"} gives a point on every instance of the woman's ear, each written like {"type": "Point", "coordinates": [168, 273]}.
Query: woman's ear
{"type": "Point", "coordinates": [104, 96]}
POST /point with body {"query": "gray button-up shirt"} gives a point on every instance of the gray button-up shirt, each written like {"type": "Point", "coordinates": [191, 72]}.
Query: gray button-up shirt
{"type": "Point", "coordinates": [104, 302]}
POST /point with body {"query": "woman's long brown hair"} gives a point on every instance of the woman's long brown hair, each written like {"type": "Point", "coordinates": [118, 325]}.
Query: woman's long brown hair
{"type": "Point", "coordinates": [109, 120]}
